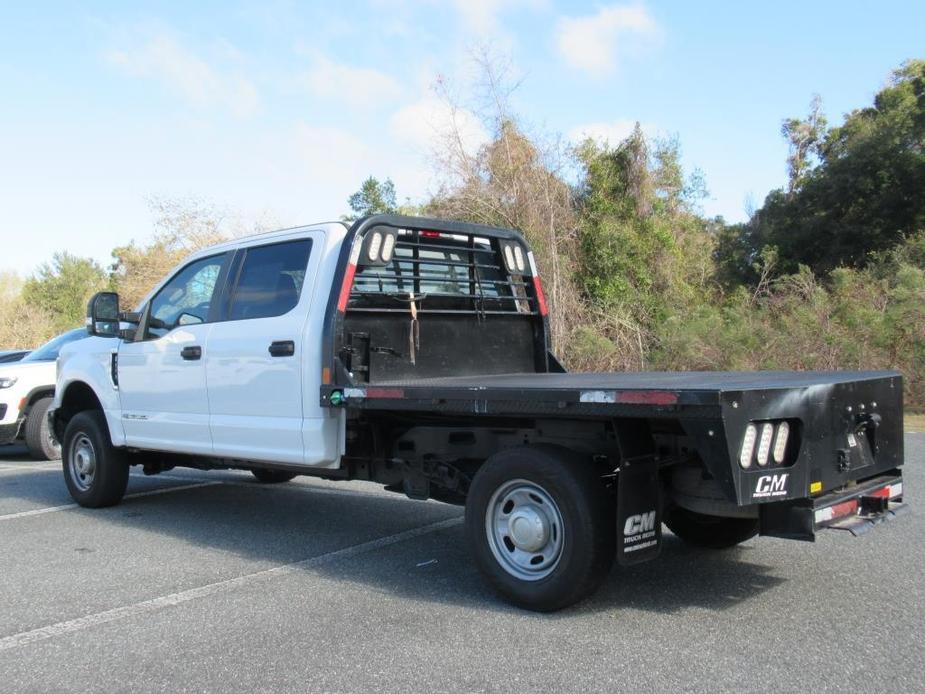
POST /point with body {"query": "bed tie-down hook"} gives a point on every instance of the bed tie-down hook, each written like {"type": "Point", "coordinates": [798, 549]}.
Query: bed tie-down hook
{"type": "Point", "coordinates": [414, 330]}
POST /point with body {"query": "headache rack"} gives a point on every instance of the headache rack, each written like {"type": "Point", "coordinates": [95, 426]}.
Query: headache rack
{"type": "Point", "coordinates": [433, 272]}
{"type": "Point", "coordinates": [423, 298]}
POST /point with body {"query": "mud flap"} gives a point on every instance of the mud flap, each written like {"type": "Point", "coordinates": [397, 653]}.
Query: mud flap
{"type": "Point", "coordinates": [639, 511]}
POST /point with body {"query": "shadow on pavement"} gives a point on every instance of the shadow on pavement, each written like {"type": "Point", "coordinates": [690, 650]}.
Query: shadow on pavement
{"type": "Point", "coordinates": [20, 453]}
{"type": "Point", "coordinates": [283, 524]}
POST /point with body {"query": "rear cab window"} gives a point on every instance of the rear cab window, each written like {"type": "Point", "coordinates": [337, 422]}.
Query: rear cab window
{"type": "Point", "coordinates": [270, 280]}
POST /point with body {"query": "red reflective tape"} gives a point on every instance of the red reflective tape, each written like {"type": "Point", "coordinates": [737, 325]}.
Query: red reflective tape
{"type": "Point", "coordinates": [345, 287]}
{"type": "Point", "coordinates": [430, 234]}
{"type": "Point", "coordinates": [647, 397]}
{"type": "Point", "coordinates": [882, 493]}
{"type": "Point", "coordinates": [389, 393]}
{"type": "Point", "coordinates": [844, 508]}
{"type": "Point", "coordinates": [540, 296]}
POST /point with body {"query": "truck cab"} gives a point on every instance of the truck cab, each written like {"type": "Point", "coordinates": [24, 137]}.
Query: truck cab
{"type": "Point", "coordinates": [216, 364]}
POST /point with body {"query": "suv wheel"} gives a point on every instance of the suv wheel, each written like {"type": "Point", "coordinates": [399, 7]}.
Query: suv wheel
{"type": "Point", "coordinates": [40, 439]}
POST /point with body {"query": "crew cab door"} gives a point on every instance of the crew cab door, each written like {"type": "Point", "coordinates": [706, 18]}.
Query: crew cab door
{"type": "Point", "coordinates": [162, 374]}
{"type": "Point", "coordinates": [254, 363]}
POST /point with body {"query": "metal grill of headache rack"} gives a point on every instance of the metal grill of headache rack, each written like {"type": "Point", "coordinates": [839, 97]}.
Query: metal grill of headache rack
{"type": "Point", "coordinates": [446, 273]}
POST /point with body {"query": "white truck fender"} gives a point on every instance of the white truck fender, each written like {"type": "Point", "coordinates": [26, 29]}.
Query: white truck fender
{"type": "Point", "coordinates": [90, 362]}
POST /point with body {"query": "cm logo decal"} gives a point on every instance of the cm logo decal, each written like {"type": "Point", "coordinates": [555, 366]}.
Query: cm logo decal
{"type": "Point", "coordinates": [771, 485]}
{"type": "Point", "coordinates": [640, 523]}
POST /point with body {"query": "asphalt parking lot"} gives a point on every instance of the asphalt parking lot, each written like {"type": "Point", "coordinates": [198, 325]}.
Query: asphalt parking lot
{"type": "Point", "coordinates": [209, 582]}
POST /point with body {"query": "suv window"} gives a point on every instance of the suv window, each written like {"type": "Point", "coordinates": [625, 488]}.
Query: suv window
{"type": "Point", "coordinates": [270, 281]}
{"type": "Point", "coordinates": [49, 351]}
{"type": "Point", "coordinates": [186, 298]}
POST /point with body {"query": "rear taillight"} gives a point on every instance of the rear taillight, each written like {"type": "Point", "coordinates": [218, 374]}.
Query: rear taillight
{"type": "Point", "coordinates": [764, 444]}
{"type": "Point", "coordinates": [767, 443]}
{"type": "Point", "coordinates": [780, 442]}
{"type": "Point", "coordinates": [748, 446]}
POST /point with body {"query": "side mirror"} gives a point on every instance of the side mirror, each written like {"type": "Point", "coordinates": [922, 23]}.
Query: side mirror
{"type": "Point", "coordinates": [103, 315]}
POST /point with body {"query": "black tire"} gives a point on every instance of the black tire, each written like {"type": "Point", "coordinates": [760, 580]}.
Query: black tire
{"type": "Point", "coordinates": [584, 506]}
{"type": "Point", "coordinates": [40, 439]}
{"type": "Point", "coordinates": [710, 532]}
{"type": "Point", "coordinates": [272, 476]}
{"type": "Point", "coordinates": [87, 434]}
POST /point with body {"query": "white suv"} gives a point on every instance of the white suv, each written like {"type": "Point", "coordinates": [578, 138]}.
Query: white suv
{"type": "Point", "coordinates": [27, 388]}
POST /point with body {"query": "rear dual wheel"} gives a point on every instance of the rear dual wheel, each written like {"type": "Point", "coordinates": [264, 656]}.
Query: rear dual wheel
{"type": "Point", "coordinates": [540, 525]}
{"type": "Point", "coordinates": [266, 476]}
{"type": "Point", "coordinates": [710, 532]}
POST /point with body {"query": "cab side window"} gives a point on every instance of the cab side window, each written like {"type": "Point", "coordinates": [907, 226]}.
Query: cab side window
{"type": "Point", "coordinates": [270, 281]}
{"type": "Point", "coordinates": [186, 298]}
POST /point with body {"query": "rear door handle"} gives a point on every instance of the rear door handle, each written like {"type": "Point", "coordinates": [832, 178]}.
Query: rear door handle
{"type": "Point", "coordinates": [191, 353]}
{"type": "Point", "coordinates": [282, 348]}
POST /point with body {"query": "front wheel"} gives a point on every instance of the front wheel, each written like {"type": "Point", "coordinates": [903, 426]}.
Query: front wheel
{"type": "Point", "coordinates": [540, 525]}
{"type": "Point", "coordinates": [95, 471]}
{"type": "Point", "coordinates": [711, 532]}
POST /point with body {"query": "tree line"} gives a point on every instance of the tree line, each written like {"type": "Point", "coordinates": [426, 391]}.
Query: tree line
{"type": "Point", "coordinates": [828, 273]}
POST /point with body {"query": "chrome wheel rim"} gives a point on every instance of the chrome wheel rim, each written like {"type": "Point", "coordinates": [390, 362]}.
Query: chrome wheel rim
{"type": "Point", "coordinates": [82, 462]}
{"type": "Point", "coordinates": [525, 530]}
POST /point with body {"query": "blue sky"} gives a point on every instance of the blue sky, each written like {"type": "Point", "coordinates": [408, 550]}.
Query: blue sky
{"type": "Point", "coordinates": [275, 111]}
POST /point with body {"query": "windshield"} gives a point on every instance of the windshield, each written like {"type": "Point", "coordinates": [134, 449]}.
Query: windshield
{"type": "Point", "coordinates": [49, 351]}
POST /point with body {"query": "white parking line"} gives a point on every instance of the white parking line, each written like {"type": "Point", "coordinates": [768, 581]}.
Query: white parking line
{"type": "Point", "coordinates": [46, 467]}
{"type": "Point", "coordinates": [37, 467]}
{"type": "Point", "coordinates": [65, 507]}
{"type": "Point", "coordinates": [146, 606]}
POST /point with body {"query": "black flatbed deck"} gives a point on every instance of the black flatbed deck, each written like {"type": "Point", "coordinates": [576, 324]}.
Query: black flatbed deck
{"type": "Point", "coordinates": [662, 380]}
{"type": "Point", "coordinates": [650, 393]}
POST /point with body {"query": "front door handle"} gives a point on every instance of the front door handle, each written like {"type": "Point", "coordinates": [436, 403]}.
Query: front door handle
{"type": "Point", "coordinates": [191, 353]}
{"type": "Point", "coordinates": [282, 348]}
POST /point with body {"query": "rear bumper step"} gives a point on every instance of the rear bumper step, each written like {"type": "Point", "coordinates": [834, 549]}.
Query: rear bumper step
{"type": "Point", "coordinates": [858, 524]}
{"type": "Point", "coordinates": [856, 509]}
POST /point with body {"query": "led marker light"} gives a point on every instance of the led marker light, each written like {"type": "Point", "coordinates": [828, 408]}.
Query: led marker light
{"type": "Point", "coordinates": [387, 247]}
{"type": "Point", "coordinates": [375, 243]}
{"type": "Point", "coordinates": [519, 258]}
{"type": "Point", "coordinates": [509, 258]}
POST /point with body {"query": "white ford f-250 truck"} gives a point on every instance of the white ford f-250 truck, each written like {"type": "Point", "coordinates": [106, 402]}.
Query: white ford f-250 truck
{"type": "Point", "coordinates": [415, 352]}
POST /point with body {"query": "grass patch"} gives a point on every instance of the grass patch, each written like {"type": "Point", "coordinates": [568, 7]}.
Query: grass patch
{"type": "Point", "coordinates": [915, 422]}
